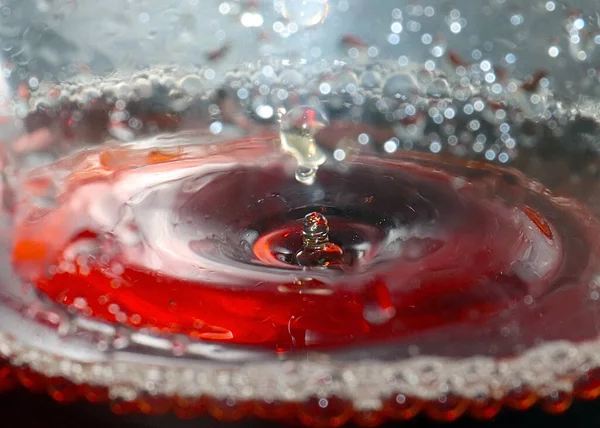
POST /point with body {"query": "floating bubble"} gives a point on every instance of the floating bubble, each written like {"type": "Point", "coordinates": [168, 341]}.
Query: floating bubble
{"type": "Point", "coordinates": [292, 78]}
{"type": "Point", "coordinates": [305, 13]}
{"type": "Point", "coordinates": [370, 79]}
{"type": "Point", "coordinates": [438, 88]}
{"type": "Point", "coordinates": [191, 85]}
{"type": "Point", "coordinates": [401, 86]}
{"type": "Point", "coordinates": [345, 82]}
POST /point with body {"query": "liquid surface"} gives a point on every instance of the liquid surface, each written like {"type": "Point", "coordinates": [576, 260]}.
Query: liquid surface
{"type": "Point", "coordinates": [189, 236]}
{"type": "Point", "coordinates": [200, 239]}
{"type": "Point", "coordinates": [440, 258]}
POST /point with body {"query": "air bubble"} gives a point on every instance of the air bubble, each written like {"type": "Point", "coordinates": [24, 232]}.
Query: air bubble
{"type": "Point", "coordinates": [292, 78]}
{"type": "Point", "coordinates": [191, 85]}
{"type": "Point", "coordinates": [438, 88]}
{"type": "Point", "coordinates": [401, 86]}
{"type": "Point", "coordinates": [345, 82]}
{"type": "Point", "coordinates": [305, 13]}
{"type": "Point", "coordinates": [370, 79]}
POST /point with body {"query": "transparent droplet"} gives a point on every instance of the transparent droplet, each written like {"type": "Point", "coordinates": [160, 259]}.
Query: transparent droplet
{"type": "Point", "coordinates": [305, 13]}
{"type": "Point", "coordinates": [298, 130]}
{"type": "Point", "coordinates": [306, 175]}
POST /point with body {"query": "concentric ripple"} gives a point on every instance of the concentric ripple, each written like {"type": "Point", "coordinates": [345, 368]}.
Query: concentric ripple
{"type": "Point", "coordinates": [193, 239]}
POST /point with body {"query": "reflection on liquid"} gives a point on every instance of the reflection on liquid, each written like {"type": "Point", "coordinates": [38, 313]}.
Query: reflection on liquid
{"type": "Point", "coordinates": [195, 246]}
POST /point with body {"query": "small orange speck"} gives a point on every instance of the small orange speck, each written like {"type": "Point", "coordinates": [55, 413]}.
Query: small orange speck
{"type": "Point", "coordinates": [158, 156]}
{"type": "Point", "coordinates": [109, 159]}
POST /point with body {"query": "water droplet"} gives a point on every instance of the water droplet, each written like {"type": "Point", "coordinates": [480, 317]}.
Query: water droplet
{"type": "Point", "coordinates": [298, 130]}
{"type": "Point", "coordinates": [306, 175]}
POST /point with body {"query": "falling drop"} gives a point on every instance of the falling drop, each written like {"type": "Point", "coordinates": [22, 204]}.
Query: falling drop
{"type": "Point", "coordinates": [298, 130]}
{"type": "Point", "coordinates": [305, 13]}
{"type": "Point", "coordinates": [306, 175]}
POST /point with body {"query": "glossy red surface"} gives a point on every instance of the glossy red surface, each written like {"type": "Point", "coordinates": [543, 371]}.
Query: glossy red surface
{"type": "Point", "coordinates": [80, 253]}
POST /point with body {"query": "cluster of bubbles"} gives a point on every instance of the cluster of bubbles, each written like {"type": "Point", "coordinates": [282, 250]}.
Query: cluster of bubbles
{"type": "Point", "coordinates": [547, 31]}
{"type": "Point", "coordinates": [583, 39]}
{"type": "Point", "coordinates": [469, 108]}
{"type": "Point", "coordinates": [470, 105]}
{"type": "Point", "coordinates": [385, 107]}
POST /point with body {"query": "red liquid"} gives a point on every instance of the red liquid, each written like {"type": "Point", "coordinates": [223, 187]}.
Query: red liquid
{"type": "Point", "coordinates": [200, 240]}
